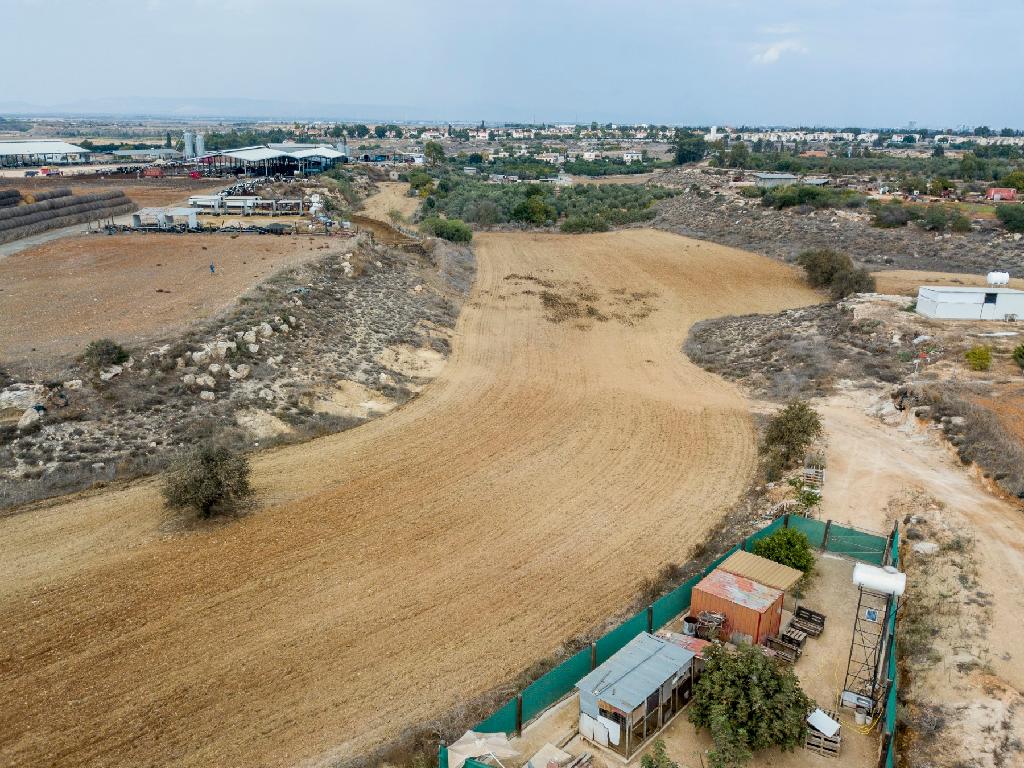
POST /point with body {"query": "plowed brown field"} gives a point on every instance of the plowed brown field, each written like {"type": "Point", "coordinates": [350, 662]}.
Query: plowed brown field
{"type": "Point", "coordinates": [398, 567]}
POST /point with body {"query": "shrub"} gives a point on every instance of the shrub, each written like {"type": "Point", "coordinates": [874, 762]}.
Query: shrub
{"type": "Point", "coordinates": [979, 358]}
{"type": "Point", "coordinates": [749, 703]}
{"type": "Point", "coordinates": [960, 223]}
{"type": "Point", "coordinates": [584, 224]}
{"type": "Point", "coordinates": [890, 215]}
{"type": "Point", "coordinates": [657, 757]}
{"type": "Point", "coordinates": [822, 265]}
{"type": "Point", "coordinates": [849, 282]}
{"type": "Point", "coordinates": [791, 430]}
{"type": "Point", "coordinates": [1012, 217]}
{"type": "Point", "coordinates": [208, 479]}
{"type": "Point", "coordinates": [104, 353]}
{"type": "Point", "coordinates": [815, 197]}
{"type": "Point", "coordinates": [936, 218]}
{"type": "Point", "coordinates": [751, 191]}
{"type": "Point", "coordinates": [455, 230]}
{"type": "Point", "coordinates": [1018, 356]}
{"type": "Point", "coordinates": [787, 546]}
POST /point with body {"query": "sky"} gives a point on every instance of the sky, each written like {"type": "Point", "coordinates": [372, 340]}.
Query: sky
{"type": "Point", "coordinates": [869, 63]}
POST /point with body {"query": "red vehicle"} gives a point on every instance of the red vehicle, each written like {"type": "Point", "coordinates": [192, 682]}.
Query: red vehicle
{"type": "Point", "coordinates": [153, 173]}
{"type": "Point", "coordinates": [195, 175]}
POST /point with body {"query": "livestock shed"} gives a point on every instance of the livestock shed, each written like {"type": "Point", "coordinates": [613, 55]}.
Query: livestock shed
{"type": "Point", "coordinates": [630, 697]}
{"type": "Point", "coordinates": [766, 180]}
{"type": "Point", "coordinates": [752, 611]}
{"type": "Point", "coordinates": [40, 152]}
{"type": "Point", "coordinates": [267, 159]}
{"type": "Point", "coordinates": [947, 302]}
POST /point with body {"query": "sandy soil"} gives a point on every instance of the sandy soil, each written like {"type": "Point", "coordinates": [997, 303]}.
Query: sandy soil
{"type": "Point", "coordinates": [392, 195]}
{"type": "Point", "coordinates": [400, 567]}
{"type": "Point", "coordinates": [907, 281]}
{"type": "Point", "coordinates": [870, 463]}
{"type": "Point", "coordinates": [621, 178]}
{"type": "Point", "coordinates": [131, 288]}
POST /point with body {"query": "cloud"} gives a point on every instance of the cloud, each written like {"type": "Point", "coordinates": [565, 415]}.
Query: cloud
{"type": "Point", "coordinates": [772, 52]}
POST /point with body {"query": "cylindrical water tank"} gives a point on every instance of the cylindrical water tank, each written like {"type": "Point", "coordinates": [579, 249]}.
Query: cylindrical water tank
{"type": "Point", "coordinates": [190, 147]}
{"type": "Point", "coordinates": [998, 278]}
{"type": "Point", "coordinates": [886, 581]}
{"type": "Point", "coordinates": [200, 144]}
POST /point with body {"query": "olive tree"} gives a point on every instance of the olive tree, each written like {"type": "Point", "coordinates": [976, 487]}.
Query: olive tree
{"type": "Point", "coordinates": [208, 479]}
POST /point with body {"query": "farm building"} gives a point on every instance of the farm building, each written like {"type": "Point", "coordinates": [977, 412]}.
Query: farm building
{"type": "Point", "coordinates": [966, 303]}
{"type": "Point", "coordinates": [630, 697]}
{"type": "Point", "coordinates": [152, 153]}
{"type": "Point", "coordinates": [766, 180]}
{"type": "Point", "coordinates": [752, 611]}
{"type": "Point", "coordinates": [1000, 193]}
{"type": "Point", "coordinates": [40, 152]}
{"type": "Point", "coordinates": [266, 160]}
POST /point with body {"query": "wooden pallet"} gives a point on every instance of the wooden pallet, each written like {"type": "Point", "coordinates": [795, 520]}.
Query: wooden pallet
{"type": "Point", "coordinates": [806, 620]}
{"type": "Point", "coordinates": [781, 650]}
{"type": "Point", "coordinates": [824, 745]}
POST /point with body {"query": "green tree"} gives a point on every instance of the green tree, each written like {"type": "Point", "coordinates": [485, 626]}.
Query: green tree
{"type": "Point", "coordinates": [739, 155]}
{"type": "Point", "coordinates": [434, 153]}
{"type": "Point", "coordinates": [380, 131]}
{"type": "Point", "coordinates": [1014, 179]}
{"type": "Point", "coordinates": [689, 148]}
{"type": "Point", "coordinates": [359, 131]}
{"type": "Point", "coordinates": [822, 265]}
{"type": "Point", "coordinates": [749, 703]}
{"type": "Point", "coordinates": [851, 281]}
{"type": "Point", "coordinates": [167, 140]}
{"type": "Point", "coordinates": [791, 431]}
{"type": "Point", "coordinates": [787, 546]}
{"type": "Point", "coordinates": [1012, 216]}
{"type": "Point", "coordinates": [534, 210]}
{"type": "Point", "coordinates": [208, 479]}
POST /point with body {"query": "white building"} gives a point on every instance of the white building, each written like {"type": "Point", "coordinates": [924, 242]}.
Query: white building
{"type": "Point", "coordinates": [40, 152]}
{"type": "Point", "coordinates": [632, 157]}
{"type": "Point", "coordinates": [970, 303]}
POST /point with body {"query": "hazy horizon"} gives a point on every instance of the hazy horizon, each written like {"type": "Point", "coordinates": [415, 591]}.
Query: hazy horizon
{"type": "Point", "coordinates": [679, 63]}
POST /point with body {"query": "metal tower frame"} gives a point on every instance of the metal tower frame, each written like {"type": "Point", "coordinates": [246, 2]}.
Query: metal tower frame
{"type": "Point", "coordinates": [868, 645]}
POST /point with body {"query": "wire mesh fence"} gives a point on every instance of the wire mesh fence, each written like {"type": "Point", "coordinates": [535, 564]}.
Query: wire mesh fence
{"type": "Point", "coordinates": [873, 548]}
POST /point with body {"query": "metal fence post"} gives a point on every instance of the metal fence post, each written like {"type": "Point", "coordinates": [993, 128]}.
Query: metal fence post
{"type": "Point", "coordinates": [593, 656]}
{"type": "Point", "coordinates": [824, 536]}
{"type": "Point", "coordinates": [650, 618]}
{"type": "Point", "coordinates": [519, 714]}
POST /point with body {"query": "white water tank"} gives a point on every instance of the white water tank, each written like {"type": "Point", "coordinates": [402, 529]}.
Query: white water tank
{"type": "Point", "coordinates": [190, 147]}
{"type": "Point", "coordinates": [998, 278]}
{"type": "Point", "coordinates": [200, 145]}
{"type": "Point", "coordinates": [887, 581]}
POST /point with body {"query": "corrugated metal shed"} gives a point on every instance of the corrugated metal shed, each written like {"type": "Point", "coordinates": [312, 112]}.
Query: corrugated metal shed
{"type": "Point", "coordinates": [40, 147]}
{"type": "Point", "coordinates": [254, 154]}
{"type": "Point", "coordinates": [762, 570]}
{"type": "Point", "coordinates": [331, 154]}
{"type": "Point", "coordinates": [639, 668]}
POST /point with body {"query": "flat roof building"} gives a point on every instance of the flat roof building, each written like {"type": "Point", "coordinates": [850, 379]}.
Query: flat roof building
{"type": "Point", "coordinates": [630, 697]}
{"type": "Point", "coordinates": [775, 179]}
{"type": "Point", "coordinates": [946, 302]}
{"type": "Point", "coordinates": [752, 611]}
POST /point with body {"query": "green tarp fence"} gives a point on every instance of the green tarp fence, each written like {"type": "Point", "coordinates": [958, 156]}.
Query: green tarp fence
{"type": "Point", "coordinates": [893, 673]}
{"type": "Point", "coordinates": [561, 680]}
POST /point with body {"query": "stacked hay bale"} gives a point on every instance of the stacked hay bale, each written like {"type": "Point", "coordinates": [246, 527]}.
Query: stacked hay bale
{"type": "Point", "coordinates": [60, 211]}
{"type": "Point", "coordinates": [9, 197]}
{"type": "Point", "coordinates": [38, 197]}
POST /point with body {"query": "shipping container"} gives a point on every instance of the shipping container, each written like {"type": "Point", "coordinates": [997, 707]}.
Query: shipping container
{"type": "Point", "coordinates": [752, 611]}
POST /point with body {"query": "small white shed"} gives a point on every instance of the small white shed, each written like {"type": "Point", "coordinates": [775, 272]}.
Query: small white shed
{"type": "Point", "coordinates": [970, 303]}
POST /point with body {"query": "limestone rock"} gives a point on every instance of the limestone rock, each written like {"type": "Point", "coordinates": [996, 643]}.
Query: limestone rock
{"type": "Point", "coordinates": [29, 417]}
{"type": "Point", "coordinates": [214, 368]}
{"type": "Point", "coordinates": [189, 379]}
{"type": "Point", "coordinates": [207, 395]}
{"type": "Point", "coordinates": [249, 337]}
{"type": "Point", "coordinates": [206, 380]}
{"type": "Point", "coordinates": [225, 348]}
{"type": "Point", "coordinates": [239, 372]}
{"type": "Point", "coordinates": [265, 330]}
{"type": "Point", "coordinates": [266, 394]}
{"type": "Point", "coordinates": [111, 372]}
{"type": "Point", "coordinates": [254, 348]}
{"type": "Point", "coordinates": [926, 547]}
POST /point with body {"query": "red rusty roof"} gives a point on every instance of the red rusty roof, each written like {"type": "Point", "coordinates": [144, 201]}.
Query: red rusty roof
{"type": "Point", "coordinates": [739, 590]}
{"type": "Point", "coordinates": [693, 644]}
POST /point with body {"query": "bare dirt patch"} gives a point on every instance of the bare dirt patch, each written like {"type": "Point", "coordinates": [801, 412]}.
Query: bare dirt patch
{"type": "Point", "coordinates": [422, 558]}
{"type": "Point", "coordinates": [133, 288]}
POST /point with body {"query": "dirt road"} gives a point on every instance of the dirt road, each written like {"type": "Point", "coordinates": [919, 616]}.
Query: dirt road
{"type": "Point", "coordinates": [870, 463]}
{"type": "Point", "coordinates": [392, 196]}
{"type": "Point", "coordinates": [567, 450]}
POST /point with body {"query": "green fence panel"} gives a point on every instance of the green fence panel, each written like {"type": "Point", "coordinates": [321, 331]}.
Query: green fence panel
{"type": "Point", "coordinates": [814, 530]}
{"type": "Point", "coordinates": [621, 635]}
{"type": "Point", "coordinates": [769, 529]}
{"type": "Point", "coordinates": [442, 756]}
{"type": "Point", "coordinates": [502, 721]}
{"type": "Point", "coordinates": [671, 605]}
{"type": "Point", "coordinates": [868, 547]}
{"type": "Point", "coordinates": [545, 691]}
